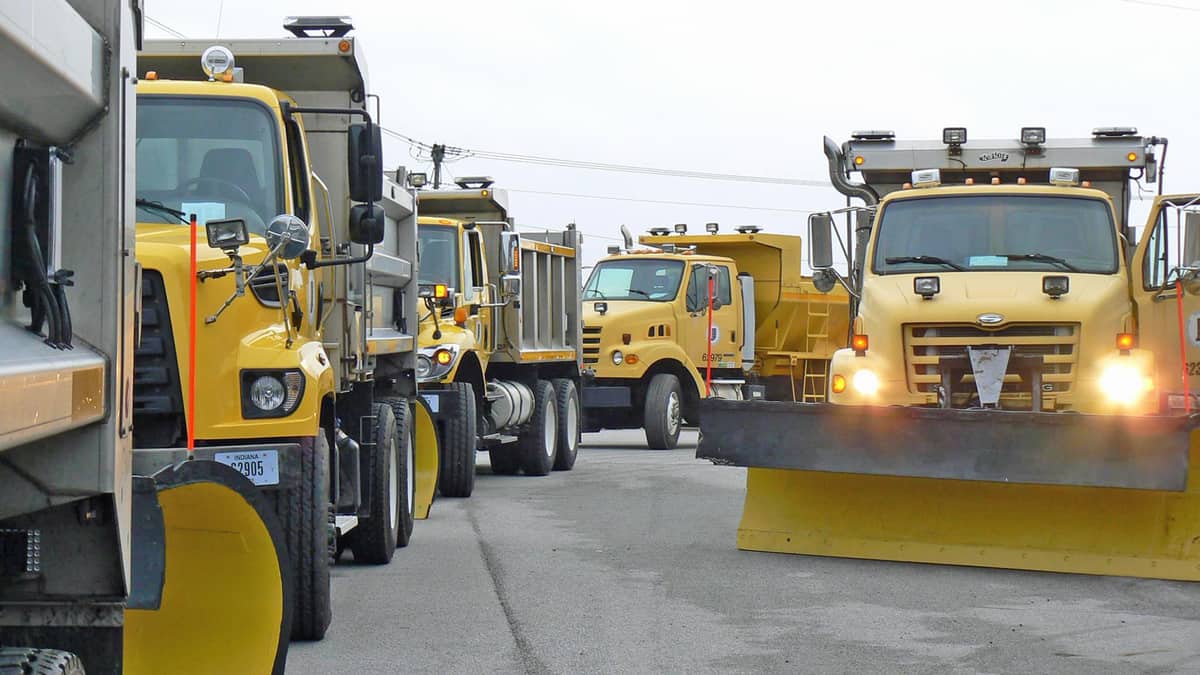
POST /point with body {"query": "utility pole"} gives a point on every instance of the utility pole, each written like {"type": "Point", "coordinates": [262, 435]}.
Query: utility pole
{"type": "Point", "coordinates": [437, 153]}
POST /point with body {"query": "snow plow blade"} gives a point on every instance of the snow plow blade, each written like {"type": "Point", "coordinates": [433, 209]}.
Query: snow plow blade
{"type": "Point", "coordinates": [223, 604]}
{"type": "Point", "coordinates": [1054, 492]}
{"type": "Point", "coordinates": [426, 453]}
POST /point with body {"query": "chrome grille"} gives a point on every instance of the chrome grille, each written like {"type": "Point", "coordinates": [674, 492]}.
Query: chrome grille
{"type": "Point", "coordinates": [926, 344]}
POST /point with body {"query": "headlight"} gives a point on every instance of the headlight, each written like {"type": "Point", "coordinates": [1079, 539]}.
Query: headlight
{"type": "Point", "coordinates": [271, 393]}
{"type": "Point", "coordinates": [866, 382]}
{"type": "Point", "coordinates": [617, 357]}
{"type": "Point", "coordinates": [1124, 383]}
{"type": "Point", "coordinates": [424, 366]}
{"type": "Point", "coordinates": [433, 363]}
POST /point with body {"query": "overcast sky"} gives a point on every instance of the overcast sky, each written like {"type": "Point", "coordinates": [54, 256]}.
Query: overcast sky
{"type": "Point", "coordinates": [738, 87]}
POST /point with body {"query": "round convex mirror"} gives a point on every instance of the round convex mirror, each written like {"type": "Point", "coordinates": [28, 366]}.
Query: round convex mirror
{"type": "Point", "coordinates": [289, 231]}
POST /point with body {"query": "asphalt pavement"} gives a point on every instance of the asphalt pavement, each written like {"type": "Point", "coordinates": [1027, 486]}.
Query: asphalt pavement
{"type": "Point", "coordinates": [628, 564]}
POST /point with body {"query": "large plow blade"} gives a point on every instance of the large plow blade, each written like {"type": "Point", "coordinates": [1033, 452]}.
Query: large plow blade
{"type": "Point", "coordinates": [426, 453]}
{"type": "Point", "coordinates": [223, 606]}
{"type": "Point", "coordinates": [1055, 492]}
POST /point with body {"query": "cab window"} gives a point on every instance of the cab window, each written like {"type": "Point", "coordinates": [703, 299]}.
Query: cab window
{"type": "Point", "coordinates": [1156, 265]}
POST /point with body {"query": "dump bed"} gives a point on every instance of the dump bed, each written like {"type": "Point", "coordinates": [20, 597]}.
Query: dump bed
{"type": "Point", "coordinates": [542, 325]}
{"type": "Point", "coordinates": [792, 319]}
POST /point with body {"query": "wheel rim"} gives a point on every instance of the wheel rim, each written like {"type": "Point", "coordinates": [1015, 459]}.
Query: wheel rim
{"type": "Point", "coordinates": [393, 484]}
{"type": "Point", "coordinates": [572, 425]}
{"type": "Point", "coordinates": [410, 491]}
{"type": "Point", "coordinates": [549, 430]}
{"type": "Point", "coordinates": [673, 414]}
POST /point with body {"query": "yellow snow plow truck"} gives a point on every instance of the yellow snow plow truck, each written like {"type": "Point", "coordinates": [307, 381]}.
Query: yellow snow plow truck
{"type": "Point", "coordinates": [500, 358]}
{"type": "Point", "coordinates": [182, 571]}
{"type": "Point", "coordinates": [303, 289]}
{"type": "Point", "coordinates": [656, 340]}
{"type": "Point", "coordinates": [1017, 388]}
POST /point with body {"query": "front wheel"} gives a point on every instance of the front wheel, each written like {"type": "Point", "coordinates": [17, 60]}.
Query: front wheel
{"type": "Point", "coordinates": [663, 412]}
{"type": "Point", "coordinates": [457, 476]}
{"type": "Point", "coordinates": [304, 514]}
{"type": "Point", "coordinates": [538, 444]}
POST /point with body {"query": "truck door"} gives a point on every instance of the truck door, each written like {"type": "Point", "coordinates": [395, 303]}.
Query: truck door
{"type": "Point", "coordinates": [1157, 264]}
{"type": "Point", "coordinates": [725, 316]}
{"type": "Point", "coordinates": [476, 292]}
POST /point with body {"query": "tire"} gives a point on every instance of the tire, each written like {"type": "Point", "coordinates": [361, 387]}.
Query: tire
{"type": "Point", "coordinates": [456, 477]}
{"type": "Point", "coordinates": [304, 514]}
{"type": "Point", "coordinates": [663, 412]}
{"type": "Point", "coordinates": [373, 540]}
{"type": "Point", "coordinates": [405, 469]}
{"type": "Point", "coordinates": [22, 661]}
{"type": "Point", "coordinates": [538, 444]}
{"type": "Point", "coordinates": [505, 461]}
{"type": "Point", "coordinates": [566, 399]}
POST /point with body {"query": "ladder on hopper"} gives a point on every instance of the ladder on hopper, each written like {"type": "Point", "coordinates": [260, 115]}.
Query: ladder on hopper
{"type": "Point", "coordinates": [816, 370]}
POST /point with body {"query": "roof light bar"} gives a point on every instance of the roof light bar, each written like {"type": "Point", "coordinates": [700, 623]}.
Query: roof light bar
{"type": "Point", "coordinates": [1114, 132]}
{"type": "Point", "coordinates": [926, 178]}
{"type": "Point", "coordinates": [873, 135]}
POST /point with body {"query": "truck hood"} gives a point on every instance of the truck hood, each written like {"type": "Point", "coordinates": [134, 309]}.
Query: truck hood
{"type": "Point", "coordinates": [1015, 296]}
{"type": "Point", "coordinates": [628, 315]}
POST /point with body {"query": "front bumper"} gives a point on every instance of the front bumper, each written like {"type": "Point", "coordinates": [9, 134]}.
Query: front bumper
{"type": "Point", "coordinates": [247, 458]}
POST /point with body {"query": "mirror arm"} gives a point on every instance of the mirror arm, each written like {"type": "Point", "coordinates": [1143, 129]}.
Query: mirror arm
{"type": "Point", "coordinates": [309, 259]}
{"type": "Point", "coordinates": [289, 110]}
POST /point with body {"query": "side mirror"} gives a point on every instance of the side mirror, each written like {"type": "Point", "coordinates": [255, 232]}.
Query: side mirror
{"type": "Point", "coordinates": [227, 235]}
{"type": "Point", "coordinates": [820, 241]}
{"type": "Point", "coordinates": [510, 247]}
{"type": "Point", "coordinates": [1191, 241]}
{"type": "Point", "coordinates": [287, 235]}
{"type": "Point", "coordinates": [364, 159]}
{"type": "Point", "coordinates": [366, 224]}
{"type": "Point", "coordinates": [510, 286]}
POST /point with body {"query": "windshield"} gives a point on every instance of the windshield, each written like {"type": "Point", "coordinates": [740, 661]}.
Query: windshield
{"type": "Point", "coordinates": [214, 158]}
{"type": "Point", "coordinates": [629, 279]}
{"type": "Point", "coordinates": [996, 232]}
{"type": "Point", "coordinates": [439, 255]}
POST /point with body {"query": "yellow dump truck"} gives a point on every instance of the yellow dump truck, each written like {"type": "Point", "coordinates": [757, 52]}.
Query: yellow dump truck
{"type": "Point", "coordinates": [304, 288]}
{"type": "Point", "coordinates": [182, 571]}
{"type": "Point", "coordinates": [653, 348]}
{"type": "Point", "coordinates": [1016, 388]}
{"type": "Point", "coordinates": [500, 352]}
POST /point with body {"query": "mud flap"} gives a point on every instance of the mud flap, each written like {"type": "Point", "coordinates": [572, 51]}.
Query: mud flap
{"type": "Point", "coordinates": [225, 606]}
{"type": "Point", "coordinates": [1076, 493]}
{"type": "Point", "coordinates": [426, 453]}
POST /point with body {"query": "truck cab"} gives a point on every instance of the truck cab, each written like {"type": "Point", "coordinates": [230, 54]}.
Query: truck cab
{"type": "Point", "coordinates": [646, 319]}
{"type": "Point", "coordinates": [1002, 286]}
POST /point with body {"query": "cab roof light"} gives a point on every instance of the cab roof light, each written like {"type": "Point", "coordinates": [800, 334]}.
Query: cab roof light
{"type": "Point", "coordinates": [712, 228]}
{"type": "Point", "coordinates": [680, 228]}
{"type": "Point", "coordinates": [1064, 177]}
{"type": "Point", "coordinates": [614, 250]}
{"type": "Point", "coordinates": [474, 182]}
{"type": "Point", "coordinates": [418, 180]}
{"type": "Point", "coordinates": [873, 135]}
{"type": "Point", "coordinates": [660, 231]}
{"type": "Point", "coordinates": [748, 229]}
{"type": "Point", "coordinates": [1114, 132]}
{"type": "Point", "coordinates": [216, 61]}
{"type": "Point", "coordinates": [668, 248]}
{"type": "Point", "coordinates": [326, 26]}
{"type": "Point", "coordinates": [926, 178]}
{"type": "Point", "coordinates": [1033, 135]}
{"type": "Point", "coordinates": [954, 137]}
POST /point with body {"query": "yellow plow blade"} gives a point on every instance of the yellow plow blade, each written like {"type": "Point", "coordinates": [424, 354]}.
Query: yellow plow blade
{"type": "Point", "coordinates": [1080, 520]}
{"type": "Point", "coordinates": [426, 453]}
{"type": "Point", "coordinates": [223, 607]}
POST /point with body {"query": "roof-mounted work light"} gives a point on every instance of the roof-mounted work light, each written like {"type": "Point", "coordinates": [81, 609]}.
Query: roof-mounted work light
{"type": "Point", "coordinates": [1032, 136]}
{"type": "Point", "coordinates": [954, 137]}
{"type": "Point", "coordinates": [216, 61]}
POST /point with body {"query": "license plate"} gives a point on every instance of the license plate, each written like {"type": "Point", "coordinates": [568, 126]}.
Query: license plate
{"type": "Point", "coordinates": [260, 466]}
{"type": "Point", "coordinates": [432, 400]}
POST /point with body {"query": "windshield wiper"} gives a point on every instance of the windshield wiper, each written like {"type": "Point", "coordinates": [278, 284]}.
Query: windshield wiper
{"type": "Point", "coordinates": [161, 208]}
{"type": "Point", "coordinates": [1041, 257]}
{"type": "Point", "coordinates": [594, 292]}
{"type": "Point", "coordinates": [639, 292]}
{"type": "Point", "coordinates": [923, 260]}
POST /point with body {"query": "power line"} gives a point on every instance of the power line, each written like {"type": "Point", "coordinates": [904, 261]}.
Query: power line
{"type": "Point", "coordinates": [660, 201]}
{"type": "Point", "coordinates": [1163, 5]}
{"type": "Point", "coordinates": [462, 153]}
{"type": "Point", "coordinates": [164, 27]}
